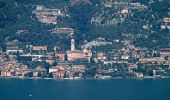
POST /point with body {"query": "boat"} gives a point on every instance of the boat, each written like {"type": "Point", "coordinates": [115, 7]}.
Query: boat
{"type": "Point", "coordinates": [30, 95]}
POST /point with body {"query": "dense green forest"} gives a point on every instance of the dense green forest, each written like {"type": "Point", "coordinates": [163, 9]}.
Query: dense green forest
{"type": "Point", "coordinates": [17, 15]}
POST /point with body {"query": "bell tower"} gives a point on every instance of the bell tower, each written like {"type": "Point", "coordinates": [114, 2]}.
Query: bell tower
{"type": "Point", "coordinates": [72, 42]}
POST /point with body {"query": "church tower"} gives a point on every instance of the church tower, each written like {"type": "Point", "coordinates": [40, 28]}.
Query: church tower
{"type": "Point", "coordinates": [72, 44]}
{"type": "Point", "coordinates": [72, 41]}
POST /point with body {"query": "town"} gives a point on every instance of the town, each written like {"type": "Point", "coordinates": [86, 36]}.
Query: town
{"type": "Point", "coordinates": [123, 61]}
{"type": "Point", "coordinates": [109, 42]}
{"type": "Point", "coordinates": [84, 49]}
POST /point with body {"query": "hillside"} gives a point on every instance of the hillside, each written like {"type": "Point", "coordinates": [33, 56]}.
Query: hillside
{"type": "Point", "coordinates": [90, 19]}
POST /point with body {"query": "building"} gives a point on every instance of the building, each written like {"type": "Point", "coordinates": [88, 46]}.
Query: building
{"type": "Point", "coordinates": [62, 30]}
{"type": "Point", "coordinates": [78, 68]}
{"type": "Point", "coordinates": [50, 60]}
{"type": "Point", "coordinates": [124, 11]}
{"type": "Point", "coordinates": [125, 56]}
{"type": "Point", "coordinates": [21, 72]}
{"type": "Point", "coordinates": [166, 19]}
{"type": "Point", "coordinates": [11, 70]}
{"type": "Point", "coordinates": [57, 68]}
{"type": "Point", "coordinates": [53, 69]}
{"type": "Point", "coordinates": [100, 70]}
{"type": "Point", "coordinates": [59, 74]}
{"type": "Point", "coordinates": [139, 75]}
{"type": "Point", "coordinates": [22, 31]}
{"type": "Point", "coordinates": [39, 48]}
{"type": "Point", "coordinates": [58, 71]}
{"type": "Point", "coordinates": [87, 53]}
{"type": "Point", "coordinates": [46, 15]}
{"type": "Point", "coordinates": [60, 55]}
{"type": "Point", "coordinates": [74, 54]}
{"type": "Point", "coordinates": [14, 50]}
{"type": "Point", "coordinates": [101, 56]}
{"type": "Point", "coordinates": [72, 45]}
{"type": "Point", "coordinates": [39, 72]}
{"type": "Point", "coordinates": [164, 52]}
{"type": "Point", "coordinates": [6, 72]}
{"type": "Point", "coordinates": [152, 60]}
{"type": "Point", "coordinates": [74, 2]}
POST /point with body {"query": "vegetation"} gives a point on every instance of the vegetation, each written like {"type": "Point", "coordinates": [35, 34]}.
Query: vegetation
{"type": "Point", "coordinates": [17, 14]}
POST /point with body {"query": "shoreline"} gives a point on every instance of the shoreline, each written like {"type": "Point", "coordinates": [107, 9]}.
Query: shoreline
{"type": "Point", "coordinates": [115, 78]}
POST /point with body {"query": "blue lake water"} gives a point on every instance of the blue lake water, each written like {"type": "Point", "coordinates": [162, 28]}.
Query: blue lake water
{"type": "Point", "coordinates": [118, 89]}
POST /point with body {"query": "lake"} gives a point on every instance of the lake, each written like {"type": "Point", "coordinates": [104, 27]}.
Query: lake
{"type": "Point", "coordinates": [116, 89]}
